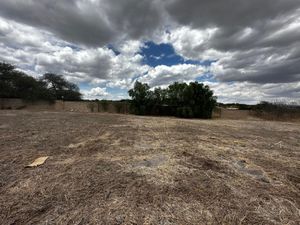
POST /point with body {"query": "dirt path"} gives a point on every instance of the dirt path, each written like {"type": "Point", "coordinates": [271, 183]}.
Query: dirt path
{"type": "Point", "coordinates": [118, 169]}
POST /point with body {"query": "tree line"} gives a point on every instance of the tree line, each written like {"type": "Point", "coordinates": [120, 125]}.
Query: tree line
{"type": "Point", "coordinates": [50, 87]}
{"type": "Point", "coordinates": [193, 100]}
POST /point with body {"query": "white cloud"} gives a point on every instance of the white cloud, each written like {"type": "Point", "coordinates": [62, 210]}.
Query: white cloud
{"type": "Point", "coordinates": [191, 43]}
{"type": "Point", "coordinates": [162, 75]}
{"type": "Point", "coordinates": [96, 92]}
{"type": "Point", "coordinates": [88, 22]}
{"type": "Point", "coordinates": [251, 93]}
{"type": "Point", "coordinates": [43, 52]}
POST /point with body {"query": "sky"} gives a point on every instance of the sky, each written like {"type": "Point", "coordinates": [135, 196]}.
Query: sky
{"type": "Point", "coordinates": [246, 51]}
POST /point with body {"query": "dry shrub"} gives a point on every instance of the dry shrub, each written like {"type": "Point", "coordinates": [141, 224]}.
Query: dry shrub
{"type": "Point", "coordinates": [277, 111]}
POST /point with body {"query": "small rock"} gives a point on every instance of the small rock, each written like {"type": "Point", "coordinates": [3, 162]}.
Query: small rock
{"type": "Point", "coordinates": [119, 219]}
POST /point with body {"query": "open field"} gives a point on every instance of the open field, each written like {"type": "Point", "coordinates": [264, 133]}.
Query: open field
{"type": "Point", "coordinates": [124, 169]}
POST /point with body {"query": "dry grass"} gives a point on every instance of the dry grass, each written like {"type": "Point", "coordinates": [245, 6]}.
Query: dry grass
{"type": "Point", "coordinates": [117, 169]}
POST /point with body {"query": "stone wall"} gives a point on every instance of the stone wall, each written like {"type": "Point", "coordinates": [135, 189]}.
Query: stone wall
{"type": "Point", "coordinates": [69, 106]}
{"type": "Point", "coordinates": [234, 114]}
{"type": "Point", "coordinates": [15, 103]}
{"type": "Point", "coordinates": [110, 107]}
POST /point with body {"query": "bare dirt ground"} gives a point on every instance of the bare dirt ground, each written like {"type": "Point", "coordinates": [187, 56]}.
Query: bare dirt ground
{"type": "Point", "coordinates": [124, 169]}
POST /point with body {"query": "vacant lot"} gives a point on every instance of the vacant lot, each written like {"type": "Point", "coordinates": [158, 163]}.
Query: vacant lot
{"type": "Point", "coordinates": [118, 169]}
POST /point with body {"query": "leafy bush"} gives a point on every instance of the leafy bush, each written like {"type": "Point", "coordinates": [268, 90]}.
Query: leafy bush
{"type": "Point", "coordinates": [185, 112]}
{"type": "Point", "coordinates": [179, 99]}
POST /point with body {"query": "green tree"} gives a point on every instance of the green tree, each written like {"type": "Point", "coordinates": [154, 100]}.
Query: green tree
{"type": "Point", "coordinates": [179, 99]}
{"type": "Point", "coordinates": [62, 89]}
{"type": "Point", "coordinates": [200, 99]}
{"type": "Point", "coordinates": [140, 95]}
{"type": "Point", "coordinates": [176, 94]}
{"type": "Point", "coordinates": [16, 84]}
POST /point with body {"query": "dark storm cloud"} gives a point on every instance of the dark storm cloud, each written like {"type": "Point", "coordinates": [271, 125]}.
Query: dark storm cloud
{"type": "Point", "coordinates": [256, 41]}
{"type": "Point", "coordinates": [88, 22]}
{"type": "Point", "coordinates": [229, 14]}
{"type": "Point", "coordinates": [278, 64]}
{"type": "Point", "coordinates": [256, 34]}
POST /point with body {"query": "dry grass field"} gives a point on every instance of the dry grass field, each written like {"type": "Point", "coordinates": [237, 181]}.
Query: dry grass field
{"type": "Point", "coordinates": [124, 169]}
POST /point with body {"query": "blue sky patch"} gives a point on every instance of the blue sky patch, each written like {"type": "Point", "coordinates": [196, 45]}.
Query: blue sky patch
{"type": "Point", "coordinates": [206, 77]}
{"type": "Point", "coordinates": [164, 54]}
{"type": "Point", "coordinates": [85, 86]}
{"type": "Point", "coordinates": [160, 54]}
{"type": "Point", "coordinates": [111, 47]}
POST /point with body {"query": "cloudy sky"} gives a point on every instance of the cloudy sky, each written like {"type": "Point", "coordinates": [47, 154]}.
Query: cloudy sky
{"type": "Point", "coordinates": [245, 50]}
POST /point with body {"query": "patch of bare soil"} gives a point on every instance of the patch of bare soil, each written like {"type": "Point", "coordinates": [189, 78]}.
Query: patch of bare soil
{"type": "Point", "coordinates": [118, 169]}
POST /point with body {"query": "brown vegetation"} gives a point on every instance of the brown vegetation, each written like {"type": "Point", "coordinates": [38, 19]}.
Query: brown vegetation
{"type": "Point", "coordinates": [123, 169]}
{"type": "Point", "coordinates": [277, 111]}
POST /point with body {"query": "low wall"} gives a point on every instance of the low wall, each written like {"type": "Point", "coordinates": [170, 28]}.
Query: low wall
{"type": "Point", "coordinates": [11, 103]}
{"type": "Point", "coordinates": [16, 103]}
{"type": "Point", "coordinates": [100, 106]}
{"type": "Point", "coordinates": [70, 106]}
{"type": "Point", "coordinates": [234, 114]}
